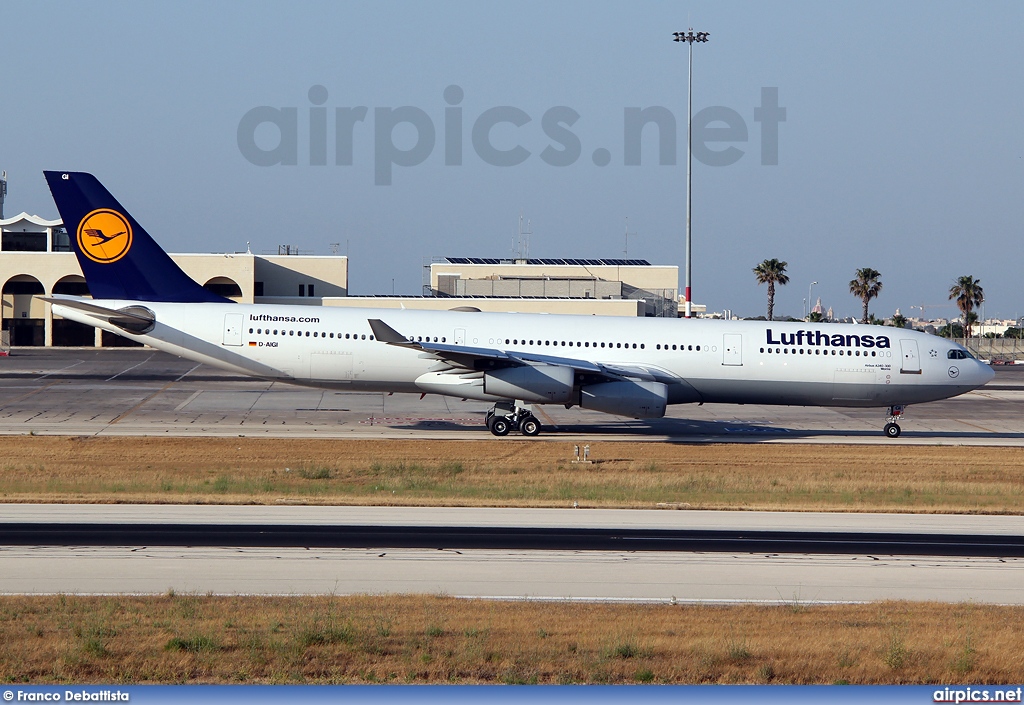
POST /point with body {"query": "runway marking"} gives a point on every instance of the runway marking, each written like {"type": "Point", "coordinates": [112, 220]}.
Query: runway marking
{"type": "Point", "coordinates": [189, 372]}
{"type": "Point", "coordinates": [548, 421]}
{"type": "Point", "coordinates": [60, 370]}
{"type": "Point", "coordinates": [974, 425]}
{"type": "Point", "coordinates": [26, 396]}
{"type": "Point", "coordinates": [135, 408]}
{"type": "Point", "coordinates": [130, 368]}
{"type": "Point", "coordinates": [191, 399]}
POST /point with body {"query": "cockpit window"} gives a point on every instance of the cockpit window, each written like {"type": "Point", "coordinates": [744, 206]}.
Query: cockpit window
{"type": "Point", "coordinates": [957, 354]}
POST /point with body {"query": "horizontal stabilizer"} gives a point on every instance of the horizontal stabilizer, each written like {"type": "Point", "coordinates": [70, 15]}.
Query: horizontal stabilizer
{"type": "Point", "coordinates": [133, 319]}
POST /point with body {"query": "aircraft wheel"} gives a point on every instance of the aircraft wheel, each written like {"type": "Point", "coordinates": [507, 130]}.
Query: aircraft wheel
{"type": "Point", "coordinates": [529, 426]}
{"type": "Point", "coordinates": [892, 430]}
{"type": "Point", "coordinates": [500, 426]}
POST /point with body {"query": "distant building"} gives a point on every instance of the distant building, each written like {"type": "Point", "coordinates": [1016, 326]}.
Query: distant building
{"type": "Point", "coordinates": [578, 283]}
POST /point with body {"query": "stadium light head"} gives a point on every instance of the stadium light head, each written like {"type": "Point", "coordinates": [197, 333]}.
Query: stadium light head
{"type": "Point", "coordinates": [690, 36]}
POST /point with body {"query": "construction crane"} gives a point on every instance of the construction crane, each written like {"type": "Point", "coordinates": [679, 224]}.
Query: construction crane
{"type": "Point", "coordinates": [924, 307]}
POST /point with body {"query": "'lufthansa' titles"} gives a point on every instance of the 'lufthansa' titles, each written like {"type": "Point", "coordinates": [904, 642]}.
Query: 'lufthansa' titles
{"type": "Point", "coordinates": [820, 338]}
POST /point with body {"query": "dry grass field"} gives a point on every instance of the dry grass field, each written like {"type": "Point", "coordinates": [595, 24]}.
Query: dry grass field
{"type": "Point", "coordinates": [422, 639]}
{"type": "Point", "coordinates": [512, 472]}
{"type": "Point", "coordinates": [431, 639]}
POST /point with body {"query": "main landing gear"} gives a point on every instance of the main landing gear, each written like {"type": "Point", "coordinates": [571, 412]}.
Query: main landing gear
{"type": "Point", "coordinates": [892, 429]}
{"type": "Point", "coordinates": [505, 416]}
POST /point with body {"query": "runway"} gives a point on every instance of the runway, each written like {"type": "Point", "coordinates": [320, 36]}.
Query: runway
{"type": "Point", "coordinates": [510, 573]}
{"type": "Point", "coordinates": [132, 392]}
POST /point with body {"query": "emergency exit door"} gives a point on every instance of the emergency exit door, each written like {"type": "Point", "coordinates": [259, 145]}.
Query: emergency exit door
{"type": "Point", "coordinates": [911, 363]}
{"type": "Point", "coordinates": [232, 329]}
{"type": "Point", "coordinates": [732, 349]}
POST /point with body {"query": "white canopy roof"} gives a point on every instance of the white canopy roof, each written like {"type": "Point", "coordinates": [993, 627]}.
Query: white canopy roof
{"type": "Point", "coordinates": [23, 219]}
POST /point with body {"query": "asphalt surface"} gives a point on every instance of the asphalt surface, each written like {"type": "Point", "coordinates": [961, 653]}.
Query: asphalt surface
{"type": "Point", "coordinates": [738, 563]}
{"type": "Point", "coordinates": [145, 392]}
{"type": "Point", "coordinates": [508, 538]}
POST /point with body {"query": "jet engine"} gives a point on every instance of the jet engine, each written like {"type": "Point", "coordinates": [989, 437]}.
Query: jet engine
{"type": "Point", "coordinates": [637, 399]}
{"type": "Point", "coordinates": [539, 384]}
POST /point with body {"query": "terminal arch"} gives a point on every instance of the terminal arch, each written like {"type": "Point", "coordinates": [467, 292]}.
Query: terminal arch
{"type": "Point", "coordinates": [71, 333]}
{"type": "Point", "coordinates": [24, 316]}
{"type": "Point", "coordinates": [224, 286]}
{"type": "Point", "coordinates": [72, 285]}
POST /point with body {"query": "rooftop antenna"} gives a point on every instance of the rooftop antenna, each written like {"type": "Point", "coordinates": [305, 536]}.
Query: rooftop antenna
{"type": "Point", "coordinates": [625, 250]}
{"type": "Point", "coordinates": [3, 192]}
{"type": "Point", "coordinates": [335, 246]}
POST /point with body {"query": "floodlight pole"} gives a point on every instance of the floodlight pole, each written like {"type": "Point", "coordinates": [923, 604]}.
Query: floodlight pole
{"type": "Point", "coordinates": [689, 37]}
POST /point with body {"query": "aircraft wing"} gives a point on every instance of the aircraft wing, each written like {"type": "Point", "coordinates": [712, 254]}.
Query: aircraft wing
{"type": "Point", "coordinates": [473, 358]}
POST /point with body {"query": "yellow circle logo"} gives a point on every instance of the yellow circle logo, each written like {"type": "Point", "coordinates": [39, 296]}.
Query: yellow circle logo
{"type": "Point", "coordinates": [104, 236]}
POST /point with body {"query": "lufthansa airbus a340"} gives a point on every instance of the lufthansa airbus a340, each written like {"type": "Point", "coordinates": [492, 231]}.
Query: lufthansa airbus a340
{"type": "Point", "coordinates": [632, 367]}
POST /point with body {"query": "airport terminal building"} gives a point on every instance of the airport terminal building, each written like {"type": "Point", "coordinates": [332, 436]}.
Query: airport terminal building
{"type": "Point", "coordinates": [36, 260]}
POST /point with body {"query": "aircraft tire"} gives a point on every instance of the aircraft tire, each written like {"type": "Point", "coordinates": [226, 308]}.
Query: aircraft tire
{"type": "Point", "coordinates": [530, 426]}
{"type": "Point", "coordinates": [892, 430]}
{"type": "Point", "coordinates": [500, 426]}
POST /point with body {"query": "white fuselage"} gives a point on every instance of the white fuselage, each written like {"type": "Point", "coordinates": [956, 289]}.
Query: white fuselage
{"type": "Point", "coordinates": [700, 360]}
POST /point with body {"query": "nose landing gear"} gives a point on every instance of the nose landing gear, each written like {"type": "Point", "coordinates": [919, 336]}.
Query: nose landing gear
{"type": "Point", "coordinates": [505, 416]}
{"type": "Point", "coordinates": [892, 429]}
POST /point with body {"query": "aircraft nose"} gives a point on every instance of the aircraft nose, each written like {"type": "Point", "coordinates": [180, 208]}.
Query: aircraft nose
{"type": "Point", "coordinates": [985, 373]}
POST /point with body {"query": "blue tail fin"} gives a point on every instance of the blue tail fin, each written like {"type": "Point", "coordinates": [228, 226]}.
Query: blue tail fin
{"type": "Point", "coordinates": [118, 257]}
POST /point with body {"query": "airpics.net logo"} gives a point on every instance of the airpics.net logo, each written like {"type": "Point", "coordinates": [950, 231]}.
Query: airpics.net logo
{"type": "Point", "coordinates": [269, 136]}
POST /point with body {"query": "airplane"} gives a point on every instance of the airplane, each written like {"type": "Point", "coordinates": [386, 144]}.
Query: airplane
{"type": "Point", "coordinates": [631, 367]}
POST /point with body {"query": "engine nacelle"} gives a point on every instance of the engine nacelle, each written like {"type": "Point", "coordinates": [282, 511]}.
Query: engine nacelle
{"type": "Point", "coordinates": [540, 384]}
{"type": "Point", "coordinates": [639, 400]}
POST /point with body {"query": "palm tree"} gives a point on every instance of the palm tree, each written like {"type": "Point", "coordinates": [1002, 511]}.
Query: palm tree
{"type": "Point", "coordinates": [899, 320]}
{"type": "Point", "coordinates": [968, 294]}
{"type": "Point", "coordinates": [866, 287]}
{"type": "Point", "coordinates": [771, 272]}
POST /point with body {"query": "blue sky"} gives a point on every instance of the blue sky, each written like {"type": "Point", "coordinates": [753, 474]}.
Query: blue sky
{"type": "Point", "coordinates": [901, 150]}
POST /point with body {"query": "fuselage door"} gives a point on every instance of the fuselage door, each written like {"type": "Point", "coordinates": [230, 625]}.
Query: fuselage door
{"type": "Point", "coordinates": [460, 336]}
{"type": "Point", "coordinates": [732, 349]}
{"type": "Point", "coordinates": [232, 329]}
{"type": "Point", "coordinates": [911, 363]}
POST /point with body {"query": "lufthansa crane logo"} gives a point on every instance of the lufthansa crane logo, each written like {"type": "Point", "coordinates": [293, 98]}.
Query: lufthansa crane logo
{"type": "Point", "coordinates": [104, 236]}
